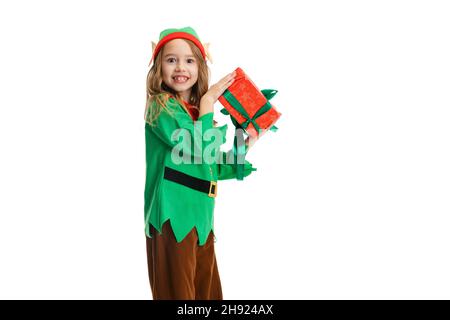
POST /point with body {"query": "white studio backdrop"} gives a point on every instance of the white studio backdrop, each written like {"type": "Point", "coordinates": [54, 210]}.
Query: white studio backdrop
{"type": "Point", "coordinates": [351, 196]}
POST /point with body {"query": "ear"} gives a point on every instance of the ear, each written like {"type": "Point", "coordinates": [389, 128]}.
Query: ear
{"type": "Point", "coordinates": [208, 53]}
{"type": "Point", "coordinates": [153, 50]}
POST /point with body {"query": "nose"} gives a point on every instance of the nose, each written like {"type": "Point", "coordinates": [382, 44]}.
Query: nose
{"type": "Point", "coordinates": [180, 65]}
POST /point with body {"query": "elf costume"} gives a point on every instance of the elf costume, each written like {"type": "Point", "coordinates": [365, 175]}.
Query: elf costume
{"type": "Point", "coordinates": [165, 197]}
{"type": "Point", "coordinates": [179, 197]}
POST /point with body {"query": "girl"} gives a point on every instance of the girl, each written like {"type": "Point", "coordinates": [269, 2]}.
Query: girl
{"type": "Point", "coordinates": [179, 195]}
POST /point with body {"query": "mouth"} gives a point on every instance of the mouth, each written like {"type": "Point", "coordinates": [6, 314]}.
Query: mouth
{"type": "Point", "coordinates": [180, 79]}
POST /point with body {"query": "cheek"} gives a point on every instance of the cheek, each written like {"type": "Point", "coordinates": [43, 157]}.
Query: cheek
{"type": "Point", "coordinates": [166, 72]}
{"type": "Point", "coordinates": [194, 73]}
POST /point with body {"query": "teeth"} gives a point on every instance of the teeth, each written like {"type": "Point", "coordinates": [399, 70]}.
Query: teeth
{"type": "Point", "coordinates": [180, 79]}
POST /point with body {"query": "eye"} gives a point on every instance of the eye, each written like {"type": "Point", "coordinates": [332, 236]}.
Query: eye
{"type": "Point", "coordinates": [191, 60]}
{"type": "Point", "coordinates": [170, 60]}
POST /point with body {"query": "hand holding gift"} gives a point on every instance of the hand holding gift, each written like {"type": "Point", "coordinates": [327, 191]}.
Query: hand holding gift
{"type": "Point", "coordinates": [214, 92]}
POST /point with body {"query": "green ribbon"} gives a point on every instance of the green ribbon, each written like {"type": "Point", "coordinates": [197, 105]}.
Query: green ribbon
{"type": "Point", "coordinates": [239, 150]}
{"type": "Point", "coordinates": [269, 93]}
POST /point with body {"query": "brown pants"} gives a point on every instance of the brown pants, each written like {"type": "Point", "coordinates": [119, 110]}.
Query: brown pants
{"type": "Point", "coordinates": [182, 271]}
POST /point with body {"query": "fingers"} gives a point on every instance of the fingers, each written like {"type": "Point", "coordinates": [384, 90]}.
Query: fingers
{"type": "Point", "coordinates": [218, 89]}
{"type": "Point", "coordinates": [250, 141]}
{"type": "Point", "coordinates": [229, 78]}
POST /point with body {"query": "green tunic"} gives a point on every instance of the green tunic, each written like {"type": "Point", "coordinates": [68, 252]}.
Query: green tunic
{"type": "Point", "coordinates": [163, 199]}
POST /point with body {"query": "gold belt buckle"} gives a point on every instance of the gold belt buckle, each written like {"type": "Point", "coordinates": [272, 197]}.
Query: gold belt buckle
{"type": "Point", "coordinates": [212, 189]}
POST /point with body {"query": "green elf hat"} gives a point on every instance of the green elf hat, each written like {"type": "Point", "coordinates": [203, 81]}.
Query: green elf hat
{"type": "Point", "coordinates": [187, 33]}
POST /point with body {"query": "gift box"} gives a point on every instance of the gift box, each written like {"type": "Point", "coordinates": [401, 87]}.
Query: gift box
{"type": "Point", "coordinates": [250, 110]}
{"type": "Point", "coordinates": [249, 107]}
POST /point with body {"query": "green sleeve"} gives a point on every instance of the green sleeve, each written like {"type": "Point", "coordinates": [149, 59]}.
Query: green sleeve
{"type": "Point", "coordinates": [228, 171]}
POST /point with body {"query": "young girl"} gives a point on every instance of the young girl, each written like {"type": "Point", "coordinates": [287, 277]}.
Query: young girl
{"type": "Point", "coordinates": [179, 195]}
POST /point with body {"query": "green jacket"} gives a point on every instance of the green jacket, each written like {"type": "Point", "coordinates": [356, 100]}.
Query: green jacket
{"type": "Point", "coordinates": [163, 199]}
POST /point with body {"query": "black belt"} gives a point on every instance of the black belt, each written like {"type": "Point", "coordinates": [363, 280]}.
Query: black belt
{"type": "Point", "coordinates": [208, 187]}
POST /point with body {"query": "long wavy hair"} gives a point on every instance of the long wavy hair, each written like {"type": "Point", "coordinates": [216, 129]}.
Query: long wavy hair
{"type": "Point", "coordinates": [158, 92]}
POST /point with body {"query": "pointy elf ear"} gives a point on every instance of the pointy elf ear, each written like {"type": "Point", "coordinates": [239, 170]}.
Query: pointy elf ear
{"type": "Point", "coordinates": [153, 50]}
{"type": "Point", "coordinates": [208, 53]}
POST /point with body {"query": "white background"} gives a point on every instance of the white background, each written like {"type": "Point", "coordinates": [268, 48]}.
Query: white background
{"type": "Point", "coordinates": [351, 197]}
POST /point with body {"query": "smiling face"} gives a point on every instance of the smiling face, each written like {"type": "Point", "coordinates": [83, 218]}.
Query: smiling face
{"type": "Point", "coordinates": [179, 67]}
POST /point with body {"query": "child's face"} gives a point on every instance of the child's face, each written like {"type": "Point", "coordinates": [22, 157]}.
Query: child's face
{"type": "Point", "coordinates": [179, 67]}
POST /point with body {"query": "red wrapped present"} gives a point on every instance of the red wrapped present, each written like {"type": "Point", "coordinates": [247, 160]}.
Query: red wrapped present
{"type": "Point", "coordinates": [249, 107]}
{"type": "Point", "coordinates": [250, 110]}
